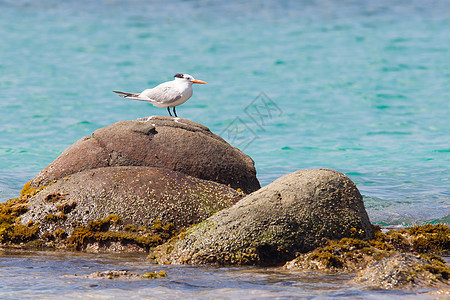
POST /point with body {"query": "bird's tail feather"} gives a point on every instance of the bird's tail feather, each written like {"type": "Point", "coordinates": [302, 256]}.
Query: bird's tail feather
{"type": "Point", "coordinates": [133, 96]}
{"type": "Point", "coordinates": [126, 95]}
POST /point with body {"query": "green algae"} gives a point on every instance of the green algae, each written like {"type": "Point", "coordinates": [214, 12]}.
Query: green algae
{"type": "Point", "coordinates": [125, 274]}
{"type": "Point", "coordinates": [248, 257]}
{"type": "Point", "coordinates": [406, 270]}
{"type": "Point", "coordinates": [60, 234]}
{"type": "Point", "coordinates": [51, 218]}
{"type": "Point", "coordinates": [353, 254]}
{"type": "Point", "coordinates": [17, 234]}
{"type": "Point", "coordinates": [83, 235]}
{"type": "Point", "coordinates": [99, 232]}
{"type": "Point", "coordinates": [11, 231]}
{"type": "Point", "coordinates": [66, 207]}
{"type": "Point", "coordinates": [102, 231]}
{"type": "Point", "coordinates": [347, 253]}
{"type": "Point", "coordinates": [131, 227]}
{"type": "Point", "coordinates": [28, 191]}
{"type": "Point", "coordinates": [12, 209]}
{"type": "Point", "coordinates": [152, 275]}
{"type": "Point", "coordinates": [436, 266]}
{"type": "Point", "coordinates": [54, 197]}
{"type": "Point", "coordinates": [430, 238]}
{"type": "Point", "coordinates": [397, 240]}
{"type": "Point", "coordinates": [328, 259]}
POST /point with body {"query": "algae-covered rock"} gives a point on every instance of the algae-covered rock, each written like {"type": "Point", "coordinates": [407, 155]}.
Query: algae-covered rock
{"type": "Point", "coordinates": [164, 142]}
{"type": "Point", "coordinates": [406, 270]}
{"type": "Point", "coordinates": [351, 254]}
{"type": "Point", "coordinates": [429, 238]}
{"type": "Point", "coordinates": [125, 274]}
{"type": "Point", "coordinates": [347, 254]}
{"type": "Point", "coordinates": [295, 213]}
{"type": "Point", "coordinates": [138, 195]}
{"type": "Point", "coordinates": [387, 260]}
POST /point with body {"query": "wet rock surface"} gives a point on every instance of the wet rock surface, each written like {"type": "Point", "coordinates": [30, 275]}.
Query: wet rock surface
{"type": "Point", "coordinates": [124, 274]}
{"type": "Point", "coordinates": [347, 254]}
{"type": "Point", "coordinates": [295, 213]}
{"type": "Point", "coordinates": [164, 142]}
{"type": "Point", "coordinates": [405, 270]}
{"type": "Point", "coordinates": [400, 259]}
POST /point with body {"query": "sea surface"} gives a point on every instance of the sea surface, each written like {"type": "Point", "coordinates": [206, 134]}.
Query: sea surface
{"type": "Point", "coordinates": [62, 275]}
{"type": "Point", "coordinates": [361, 87]}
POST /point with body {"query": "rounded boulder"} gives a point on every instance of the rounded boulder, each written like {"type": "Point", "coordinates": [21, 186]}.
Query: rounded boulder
{"type": "Point", "coordinates": [138, 195]}
{"type": "Point", "coordinates": [163, 142]}
{"type": "Point", "coordinates": [296, 213]}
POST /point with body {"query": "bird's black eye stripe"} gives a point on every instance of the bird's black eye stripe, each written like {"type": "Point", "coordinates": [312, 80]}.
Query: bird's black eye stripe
{"type": "Point", "coordinates": [179, 75]}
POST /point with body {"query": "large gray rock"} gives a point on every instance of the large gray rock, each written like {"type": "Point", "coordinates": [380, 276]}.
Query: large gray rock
{"type": "Point", "coordinates": [295, 213]}
{"type": "Point", "coordinates": [164, 142]}
{"type": "Point", "coordinates": [139, 195]}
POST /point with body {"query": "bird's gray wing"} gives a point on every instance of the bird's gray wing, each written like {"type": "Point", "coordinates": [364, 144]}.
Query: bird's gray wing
{"type": "Point", "coordinates": [163, 93]}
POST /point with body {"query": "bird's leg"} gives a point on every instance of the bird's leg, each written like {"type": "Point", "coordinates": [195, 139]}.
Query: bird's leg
{"type": "Point", "coordinates": [175, 112]}
{"type": "Point", "coordinates": [168, 109]}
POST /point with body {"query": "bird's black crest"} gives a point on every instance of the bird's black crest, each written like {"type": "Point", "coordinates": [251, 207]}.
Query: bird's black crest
{"type": "Point", "coordinates": [179, 75]}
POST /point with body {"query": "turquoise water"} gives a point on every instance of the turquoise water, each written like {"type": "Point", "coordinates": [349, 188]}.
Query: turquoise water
{"type": "Point", "coordinates": [361, 87]}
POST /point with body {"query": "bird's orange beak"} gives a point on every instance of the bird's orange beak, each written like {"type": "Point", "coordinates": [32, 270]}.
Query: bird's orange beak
{"type": "Point", "coordinates": [198, 81]}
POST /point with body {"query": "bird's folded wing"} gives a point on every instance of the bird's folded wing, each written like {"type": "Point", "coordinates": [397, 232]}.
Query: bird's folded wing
{"type": "Point", "coordinates": [162, 94]}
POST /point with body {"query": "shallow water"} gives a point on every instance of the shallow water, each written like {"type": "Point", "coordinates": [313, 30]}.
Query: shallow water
{"type": "Point", "coordinates": [52, 275]}
{"type": "Point", "coordinates": [361, 87]}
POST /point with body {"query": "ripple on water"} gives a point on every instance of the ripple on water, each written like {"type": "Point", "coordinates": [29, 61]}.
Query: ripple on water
{"type": "Point", "coordinates": [52, 275]}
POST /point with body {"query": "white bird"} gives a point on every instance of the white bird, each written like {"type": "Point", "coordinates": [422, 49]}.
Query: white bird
{"type": "Point", "coordinates": [167, 94]}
